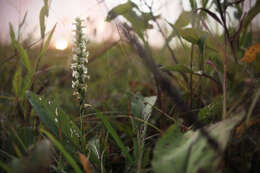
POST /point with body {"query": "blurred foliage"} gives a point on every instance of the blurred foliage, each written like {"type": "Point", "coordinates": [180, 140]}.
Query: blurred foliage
{"type": "Point", "coordinates": [132, 124]}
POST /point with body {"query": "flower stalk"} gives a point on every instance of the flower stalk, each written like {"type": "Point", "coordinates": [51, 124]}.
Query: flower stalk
{"type": "Point", "coordinates": [79, 67]}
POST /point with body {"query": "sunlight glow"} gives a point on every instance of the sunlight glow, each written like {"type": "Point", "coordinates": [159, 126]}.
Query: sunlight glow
{"type": "Point", "coordinates": [61, 44]}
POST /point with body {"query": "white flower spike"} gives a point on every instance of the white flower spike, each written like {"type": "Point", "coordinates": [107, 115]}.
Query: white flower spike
{"type": "Point", "coordinates": [80, 60]}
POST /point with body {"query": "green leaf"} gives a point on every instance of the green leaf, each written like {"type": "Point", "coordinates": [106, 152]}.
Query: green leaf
{"type": "Point", "coordinates": [47, 42]}
{"type": "Point", "coordinates": [17, 82]}
{"type": "Point", "coordinates": [27, 81]}
{"type": "Point", "coordinates": [54, 118]}
{"type": "Point", "coordinates": [191, 35]}
{"type": "Point", "coordinates": [193, 4]}
{"type": "Point", "coordinates": [120, 10]}
{"type": "Point", "coordinates": [67, 156]}
{"type": "Point", "coordinates": [141, 107]}
{"type": "Point", "coordinates": [12, 35]}
{"type": "Point", "coordinates": [212, 111]}
{"type": "Point", "coordinates": [184, 19]}
{"type": "Point", "coordinates": [42, 21]}
{"type": "Point", "coordinates": [128, 10]}
{"type": "Point", "coordinates": [194, 36]}
{"type": "Point", "coordinates": [252, 13]}
{"type": "Point", "coordinates": [5, 167]}
{"type": "Point", "coordinates": [45, 46]}
{"type": "Point", "coordinates": [115, 136]}
{"type": "Point", "coordinates": [22, 52]}
{"type": "Point", "coordinates": [190, 152]}
{"type": "Point", "coordinates": [43, 13]}
{"type": "Point", "coordinates": [43, 111]}
{"type": "Point", "coordinates": [178, 68]}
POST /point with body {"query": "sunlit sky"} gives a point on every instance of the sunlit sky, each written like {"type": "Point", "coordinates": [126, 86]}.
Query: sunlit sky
{"type": "Point", "coordinates": [63, 12]}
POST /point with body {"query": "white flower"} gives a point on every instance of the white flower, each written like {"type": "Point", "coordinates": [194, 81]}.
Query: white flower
{"type": "Point", "coordinates": [199, 72]}
{"type": "Point", "coordinates": [75, 84]}
{"type": "Point", "coordinates": [73, 66]}
{"type": "Point", "coordinates": [75, 74]}
{"type": "Point", "coordinates": [56, 111]}
{"type": "Point", "coordinates": [74, 57]}
{"type": "Point", "coordinates": [80, 60]}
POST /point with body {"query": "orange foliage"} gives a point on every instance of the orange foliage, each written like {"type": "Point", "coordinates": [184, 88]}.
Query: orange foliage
{"type": "Point", "coordinates": [85, 163]}
{"type": "Point", "coordinates": [250, 54]}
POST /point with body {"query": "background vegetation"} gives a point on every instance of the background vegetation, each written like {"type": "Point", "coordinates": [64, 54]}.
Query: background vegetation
{"type": "Point", "coordinates": [194, 108]}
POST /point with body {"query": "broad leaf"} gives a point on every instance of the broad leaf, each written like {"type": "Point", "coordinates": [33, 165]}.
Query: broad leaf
{"type": "Point", "coordinates": [128, 10]}
{"type": "Point", "coordinates": [194, 36]}
{"type": "Point", "coordinates": [190, 152]}
{"type": "Point", "coordinates": [54, 119]}
{"type": "Point", "coordinates": [120, 10]}
{"type": "Point", "coordinates": [141, 107]}
{"type": "Point", "coordinates": [184, 19]}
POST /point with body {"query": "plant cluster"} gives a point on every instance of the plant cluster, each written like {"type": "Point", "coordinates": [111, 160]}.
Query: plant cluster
{"type": "Point", "coordinates": [194, 108]}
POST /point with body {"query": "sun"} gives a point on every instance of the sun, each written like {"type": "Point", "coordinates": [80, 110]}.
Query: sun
{"type": "Point", "coordinates": [61, 44]}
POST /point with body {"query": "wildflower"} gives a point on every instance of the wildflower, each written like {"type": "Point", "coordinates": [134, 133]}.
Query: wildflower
{"type": "Point", "coordinates": [251, 53]}
{"type": "Point", "coordinates": [80, 60]}
{"type": "Point", "coordinates": [56, 111]}
{"type": "Point", "coordinates": [199, 72]}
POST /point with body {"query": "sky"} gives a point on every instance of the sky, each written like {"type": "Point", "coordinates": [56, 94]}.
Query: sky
{"type": "Point", "coordinates": [63, 12]}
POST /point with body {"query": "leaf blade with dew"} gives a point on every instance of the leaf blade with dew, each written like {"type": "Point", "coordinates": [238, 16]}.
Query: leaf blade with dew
{"type": "Point", "coordinates": [67, 156]}
{"type": "Point", "coordinates": [40, 107]}
{"type": "Point", "coordinates": [115, 136]}
{"type": "Point", "coordinates": [55, 119]}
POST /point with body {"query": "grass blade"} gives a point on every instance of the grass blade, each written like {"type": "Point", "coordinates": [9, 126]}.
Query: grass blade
{"type": "Point", "coordinates": [113, 133]}
{"type": "Point", "coordinates": [46, 45]}
{"type": "Point", "coordinates": [5, 167]}
{"type": "Point", "coordinates": [67, 156]}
